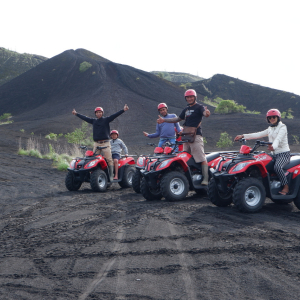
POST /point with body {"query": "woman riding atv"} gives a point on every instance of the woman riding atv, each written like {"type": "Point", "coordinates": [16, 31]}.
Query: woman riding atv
{"type": "Point", "coordinates": [277, 134]}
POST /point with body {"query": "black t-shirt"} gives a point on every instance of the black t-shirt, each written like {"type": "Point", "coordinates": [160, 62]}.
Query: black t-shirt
{"type": "Point", "coordinates": [193, 116]}
{"type": "Point", "coordinates": [101, 128]}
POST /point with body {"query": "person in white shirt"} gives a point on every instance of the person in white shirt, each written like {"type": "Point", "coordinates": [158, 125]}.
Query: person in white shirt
{"type": "Point", "coordinates": [278, 136]}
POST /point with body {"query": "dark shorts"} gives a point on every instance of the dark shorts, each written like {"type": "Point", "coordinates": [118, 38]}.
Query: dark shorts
{"type": "Point", "coordinates": [116, 156]}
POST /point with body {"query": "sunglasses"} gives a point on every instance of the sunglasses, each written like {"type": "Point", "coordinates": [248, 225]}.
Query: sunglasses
{"type": "Point", "coordinates": [272, 117]}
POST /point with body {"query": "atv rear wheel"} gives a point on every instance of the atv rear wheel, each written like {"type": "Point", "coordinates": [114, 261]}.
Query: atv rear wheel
{"type": "Point", "coordinates": [98, 181]}
{"type": "Point", "coordinates": [136, 181]}
{"type": "Point", "coordinates": [126, 181]}
{"type": "Point", "coordinates": [71, 183]}
{"type": "Point", "coordinates": [249, 195]}
{"type": "Point", "coordinates": [174, 186]}
{"type": "Point", "coordinates": [216, 197]}
{"type": "Point", "coordinates": [148, 193]}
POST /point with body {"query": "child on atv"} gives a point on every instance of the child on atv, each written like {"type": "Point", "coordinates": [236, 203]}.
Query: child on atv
{"type": "Point", "coordinates": [117, 145]}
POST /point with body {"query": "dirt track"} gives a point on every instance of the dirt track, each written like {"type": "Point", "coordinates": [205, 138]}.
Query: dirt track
{"type": "Point", "coordinates": [57, 244]}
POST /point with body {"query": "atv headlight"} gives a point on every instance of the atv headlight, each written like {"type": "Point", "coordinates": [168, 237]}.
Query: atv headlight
{"type": "Point", "coordinates": [163, 164]}
{"type": "Point", "coordinates": [140, 161]}
{"type": "Point", "coordinates": [72, 163]}
{"type": "Point", "coordinates": [92, 163]}
{"type": "Point", "coordinates": [239, 166]}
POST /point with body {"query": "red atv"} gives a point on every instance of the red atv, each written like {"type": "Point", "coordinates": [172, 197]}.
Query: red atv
{"type": "Point", "coordinates": [93, 168]}
{"type": "Point", "coordinates": [247, 178]}
{"type": "Point", "coordinates": [142, 162]}
{"type": "Point", "coordinates": [171, 175]}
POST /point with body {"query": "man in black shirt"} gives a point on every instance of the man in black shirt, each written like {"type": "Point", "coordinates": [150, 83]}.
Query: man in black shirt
{"type": "Point", "coordinates": [192, 115]}
{"type": "Point", "coordinates": [101, 133]}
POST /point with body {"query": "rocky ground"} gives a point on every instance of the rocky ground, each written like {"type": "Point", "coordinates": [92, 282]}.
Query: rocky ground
{"type": "Point", "coordinates": [57, 244]}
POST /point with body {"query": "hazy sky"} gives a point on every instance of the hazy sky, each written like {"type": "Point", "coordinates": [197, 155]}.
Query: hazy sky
{"type": "Point", "coordinates": [255, 41]}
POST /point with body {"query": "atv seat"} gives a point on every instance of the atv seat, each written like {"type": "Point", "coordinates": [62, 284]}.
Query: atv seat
{"type": "Point", "coordinates": [212, 156]}
{"type": "Point", "coordinates": [191, 163]}
{"type": "Point", "coordinates": [294, 161]}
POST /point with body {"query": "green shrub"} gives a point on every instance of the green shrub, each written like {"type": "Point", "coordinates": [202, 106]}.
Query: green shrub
{"type": "Point", "coordinates": [51, 136]}
{"type": "Point", "coordinates": [186, 85]}
{"type": "Point", "coordinates": [5, 117]}
{"type": "Point", "coordinates": [224, 141]}
{"type": "Point", "coordinates": [62, 162]}
{"type": "Point", "coordinates": [231, 82]}
{"type": "Point", "coordinates": [84, 66]}
{"type": "Point", "coordinates": [229, 106]}
{"type": "Point", "coordinates": [252, 112]}
{"type": "Point", "coordinates": [79, 135]}
{"type": "Point", "coordinates": [287, 114]}
{"type": "Point", "coordinates": [35, 153]}
{"type": "Point", "coordinates": [23, 152]}
{"type": "Point", "coordinates": [22, 130]}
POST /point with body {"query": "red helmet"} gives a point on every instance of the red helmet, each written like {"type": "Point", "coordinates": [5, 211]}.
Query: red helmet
{"type": "Point", "coordinates": [99, 109]}
{"type": "Point", "coordinates": [273, 112]}
{"type": "Point", "coordinates": [114, 131]}
{"type": "Point", "coordinates": [190, 93]}
{"type": "Point", "coordinates": [162, 105]}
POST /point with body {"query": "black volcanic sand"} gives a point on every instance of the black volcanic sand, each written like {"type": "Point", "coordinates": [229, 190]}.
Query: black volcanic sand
{"type": "Point", "coordinates": [57, 244]}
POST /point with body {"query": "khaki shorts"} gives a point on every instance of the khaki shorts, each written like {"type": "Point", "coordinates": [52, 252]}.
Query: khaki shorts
{"type": "Point", "coordinates": [196, 149]}
{"type": "Point", "coordinates": [105, 152]}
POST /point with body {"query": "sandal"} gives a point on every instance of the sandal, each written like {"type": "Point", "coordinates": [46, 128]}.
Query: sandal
{"type": "Point", "coordinates": [283, 193]}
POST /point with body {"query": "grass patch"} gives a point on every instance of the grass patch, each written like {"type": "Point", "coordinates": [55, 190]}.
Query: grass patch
{"type": "Point", "coordinates": [61, 154]}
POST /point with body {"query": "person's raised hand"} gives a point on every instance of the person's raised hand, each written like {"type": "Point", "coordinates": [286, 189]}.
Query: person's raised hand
{"type": "Point", "coordinates": [74, 112]}
{"type": "Point", "coordinates": [160, 120]}
{"type": "Point", "coordinates": [126, 107]}
{"type": "Point", "coordinates": [206, 112]}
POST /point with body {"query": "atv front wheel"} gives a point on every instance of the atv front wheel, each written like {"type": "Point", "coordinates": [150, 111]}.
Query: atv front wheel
{"type": "Point", "coordinates": [126, 181]}
{"type": "Point", "coordinates": [216, 197]}
{"type": "Point", "coordinates": [249, 195]}
{"type": "Point", "coordinates": [136, 181]}
{"type": "Point", "coordinates": [174, 186]}
{"type": "Point", "coordinates": [148, 193]}
{"type": "Point", "coordinates": [98, 181]}
{"type": "Point", "coordinates": [71, 183]}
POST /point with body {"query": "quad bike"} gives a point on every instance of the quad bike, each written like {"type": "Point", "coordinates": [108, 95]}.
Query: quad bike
{"type": "Point", "coordinates": [171, 175]}
{"type": "Point", "coordinates": [142, 162]}
{"type": "Point", "coordinates": [247, 178]}
{"type": "Point", "coordinates": [93, 168]}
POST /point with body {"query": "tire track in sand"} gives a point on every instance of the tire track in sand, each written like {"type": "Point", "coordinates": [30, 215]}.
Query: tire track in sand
{"type": "Point", "coordinates": [188, 282]}
{"type": "Point", "coordinates": [105, 268]}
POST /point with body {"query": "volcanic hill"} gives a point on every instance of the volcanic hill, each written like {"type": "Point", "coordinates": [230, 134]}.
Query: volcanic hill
{"type": "Point", "coordinates": [253, 96]}
{"type": "Point", "coordinates": [14, 64]}
{"type": "Point", "coordinates": [41, 99]}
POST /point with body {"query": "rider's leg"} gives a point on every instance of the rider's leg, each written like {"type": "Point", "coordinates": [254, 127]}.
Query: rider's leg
{"type": "Point", "coordinates": [107, 154]}
{"type": "Point", "coordinates": [173, 141]}
{"type": "Point", "coordinates": [161, 142]}
{"type": "Point", "coordinates": [116, 161]}
{"type": "Point", "coordinates": [281, 160]}
{"type": "Point", "coordinates": [197, 150]}
{"type": "Point", "coordinates": [204, 167]}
